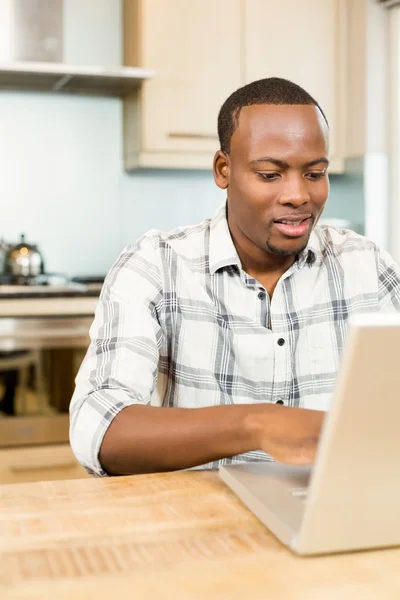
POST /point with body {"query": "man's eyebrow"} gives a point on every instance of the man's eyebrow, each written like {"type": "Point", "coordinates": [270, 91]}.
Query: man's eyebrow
{"type": "Point", "coordinates": [317, 161]}
{"type": "Point", "coordinates": [284, 165]}
{"type": "Point", "coordinates": [274, 161]}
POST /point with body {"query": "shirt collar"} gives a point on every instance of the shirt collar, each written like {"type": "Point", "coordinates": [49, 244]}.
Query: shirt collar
{"type": "Point", "coordinates": [222, 251]}
{"type": "Point", "coordinates": [309, 254]}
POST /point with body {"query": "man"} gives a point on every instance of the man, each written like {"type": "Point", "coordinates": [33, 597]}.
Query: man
{"type": "Point", "coordinates": [242, 318]}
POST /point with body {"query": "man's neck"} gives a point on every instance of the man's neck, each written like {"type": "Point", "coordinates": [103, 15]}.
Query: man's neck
{"type": "Point", "coordinates": [264, 266]}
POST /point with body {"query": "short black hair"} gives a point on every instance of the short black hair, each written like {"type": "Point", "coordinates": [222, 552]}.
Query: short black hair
{"type": "Point", "coordinates": [272, 90]}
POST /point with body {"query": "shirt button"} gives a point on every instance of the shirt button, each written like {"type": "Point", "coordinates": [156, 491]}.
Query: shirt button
{"type": "Point", "coordinates": [279, 402]}
{"type": "Point", "coordinates": [261, 295]}
{"type": "Point", "coordinates": [281, 342]}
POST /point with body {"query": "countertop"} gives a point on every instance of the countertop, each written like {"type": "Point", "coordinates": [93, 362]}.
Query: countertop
{"type": "Point", "coordinates": [171, 536]}
{"type": "Point", "coordinates": [23, 292]}
{"type": "Point", "coordinates": [47, 306]}
{"type": "Point", "coordinates": [68, 299]}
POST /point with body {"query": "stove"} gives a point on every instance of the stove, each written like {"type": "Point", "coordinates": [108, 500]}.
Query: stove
{"type": "Point", "coordinates": [43, 279]}
{"type": "Point", "coordinates": [49, 285]}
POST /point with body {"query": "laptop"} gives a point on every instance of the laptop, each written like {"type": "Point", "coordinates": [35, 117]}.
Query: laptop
{"type": "Point", "coordinates": [350, 498]}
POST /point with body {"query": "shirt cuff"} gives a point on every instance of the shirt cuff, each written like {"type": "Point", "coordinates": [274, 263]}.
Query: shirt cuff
{"type": "Point", "coordinates": [89, 424]}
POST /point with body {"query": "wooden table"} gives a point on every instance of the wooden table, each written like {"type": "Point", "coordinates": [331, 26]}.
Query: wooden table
{"type": "Point", "coordinates": [169, 536]}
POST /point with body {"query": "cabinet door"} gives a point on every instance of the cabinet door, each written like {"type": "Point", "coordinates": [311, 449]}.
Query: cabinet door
{"type": "Point", "coordinates": [194, 48]}
{"type": "Point", "coordinates": [300, 41]}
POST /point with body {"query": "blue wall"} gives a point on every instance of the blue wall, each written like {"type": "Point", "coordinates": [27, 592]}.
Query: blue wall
{"type": "Point", "coordinates": [167, 199]}
{"type": "Point", "coordinates": [62, 183]}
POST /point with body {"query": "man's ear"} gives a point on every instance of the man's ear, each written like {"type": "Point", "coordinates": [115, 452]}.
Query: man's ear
{"type": "Point", "coordinates": [221, 169]}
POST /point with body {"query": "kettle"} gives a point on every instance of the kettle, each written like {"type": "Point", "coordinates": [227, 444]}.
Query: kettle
{"type": "Point", "coordinates": [23, 260]}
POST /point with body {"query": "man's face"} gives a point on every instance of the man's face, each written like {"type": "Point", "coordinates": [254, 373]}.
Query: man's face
{"type": "Point", "coordinates": [276, 176]}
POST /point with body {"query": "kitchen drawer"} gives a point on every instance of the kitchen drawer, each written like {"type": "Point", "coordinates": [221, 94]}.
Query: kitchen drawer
{"type": "Point", "coordinates": [39, 463]}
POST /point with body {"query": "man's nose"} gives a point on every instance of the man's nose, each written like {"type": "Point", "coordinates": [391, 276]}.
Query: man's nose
{"type": "Point", "coordinates": [295, 191]}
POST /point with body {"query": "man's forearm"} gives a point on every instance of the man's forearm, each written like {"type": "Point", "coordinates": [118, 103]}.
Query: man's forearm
{"type": "Point", "coordinates": [145, 439]}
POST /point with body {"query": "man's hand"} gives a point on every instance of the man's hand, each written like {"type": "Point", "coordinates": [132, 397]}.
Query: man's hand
{"type": "Point", "coordinates": [289, 435]}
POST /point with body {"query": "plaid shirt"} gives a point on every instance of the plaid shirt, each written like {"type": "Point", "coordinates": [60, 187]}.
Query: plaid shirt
{"type": "Point", "coordinates": [179, 323]}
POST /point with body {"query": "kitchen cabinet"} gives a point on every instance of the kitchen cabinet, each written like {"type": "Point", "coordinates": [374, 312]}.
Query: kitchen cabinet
{"type": "Point", "coordinates": [39, 463]}
{"type": "Point", "coordinates": [371, 60]}
{"type": "Point", "coordinates": [203, 50]}
{"type": "Point", "coordinates": [194, 47]}
{"type": "Point", "coordinates": [304, 42]}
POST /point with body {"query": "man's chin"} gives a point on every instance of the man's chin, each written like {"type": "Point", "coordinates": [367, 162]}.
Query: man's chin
{"type": "Point", "coordinates": [286, 251]}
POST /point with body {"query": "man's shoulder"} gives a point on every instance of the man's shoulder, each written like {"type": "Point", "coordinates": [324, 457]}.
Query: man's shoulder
{"type": "Point", "coordinates": [187, 241]}
{"type": "Point", "coordinates": [148, 255]}
{"type": "Point", "coordinates": [341, 242]}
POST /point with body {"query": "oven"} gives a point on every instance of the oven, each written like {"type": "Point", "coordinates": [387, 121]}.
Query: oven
{"type": "Point", "coordinates": [43, 339]}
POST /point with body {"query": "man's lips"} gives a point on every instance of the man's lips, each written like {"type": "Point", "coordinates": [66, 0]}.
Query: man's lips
{"type": "Point", "coordinates": [293, 219]}
{"type": "Point", "coordinates": [294, 226]}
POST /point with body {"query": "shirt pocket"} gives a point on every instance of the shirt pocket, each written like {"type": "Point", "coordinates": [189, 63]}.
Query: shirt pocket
{"type": "Point", "coordinates": [254, 354]}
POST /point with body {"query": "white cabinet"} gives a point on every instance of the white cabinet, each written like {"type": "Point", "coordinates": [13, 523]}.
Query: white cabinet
{"type": "Point", "coordinates": [202, 50]}
{"type": "Point", "coordinates": [194, 48]}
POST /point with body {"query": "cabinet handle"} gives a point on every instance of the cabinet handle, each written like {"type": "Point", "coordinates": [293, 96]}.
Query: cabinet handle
{"type": "Point", "coordinates": [188, 135]}
{"type": "Point", "coordinates": [25, 467]}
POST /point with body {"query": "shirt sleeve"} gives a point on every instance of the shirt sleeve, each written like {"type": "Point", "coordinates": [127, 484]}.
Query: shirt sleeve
{"type": "Point", "coordinates": [388, 282]}
{"type": "Point", "coordinates": [121, 364]}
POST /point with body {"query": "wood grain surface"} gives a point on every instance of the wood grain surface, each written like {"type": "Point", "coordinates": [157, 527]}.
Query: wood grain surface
{"type": "Point", "coordinates": [177, 535]}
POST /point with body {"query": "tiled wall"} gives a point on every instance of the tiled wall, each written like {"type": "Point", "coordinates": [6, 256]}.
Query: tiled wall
{"type": "Point", "coordinates": [346, 198]}
{"type": "Point", "coordinates": [169, 199]}
{"type": "Point", "coordinates": [60, 170]}
{"type": "Point", "coordinates": [62, 183]}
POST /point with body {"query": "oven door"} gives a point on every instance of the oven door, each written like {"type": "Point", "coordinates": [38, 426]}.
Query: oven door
{"type": "Point", "coordinates": [39, 359]}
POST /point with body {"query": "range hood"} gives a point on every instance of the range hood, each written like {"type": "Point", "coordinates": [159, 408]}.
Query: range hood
{"type": "Point", "coordinates": [31, 54]}
{"type": "Point", "coordinates": [59, 77]}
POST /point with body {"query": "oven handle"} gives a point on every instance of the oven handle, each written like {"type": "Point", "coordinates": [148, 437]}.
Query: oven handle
{"type": "Point", "coordinates": [25, 467]}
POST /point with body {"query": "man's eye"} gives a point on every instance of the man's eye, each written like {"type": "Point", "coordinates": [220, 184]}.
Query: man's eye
{"type": "Point", "coordinates": [269, 176]}
{"type": "Point", "coordinates": [314, 176]}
